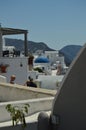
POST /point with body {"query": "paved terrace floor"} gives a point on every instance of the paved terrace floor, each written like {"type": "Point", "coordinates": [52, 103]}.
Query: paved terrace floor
{"type": "Point", "coordinates": [29, 119]}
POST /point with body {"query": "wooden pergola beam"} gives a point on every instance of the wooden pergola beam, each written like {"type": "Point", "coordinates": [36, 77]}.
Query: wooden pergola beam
{"type": "Point", "coordinates": [12, 31]}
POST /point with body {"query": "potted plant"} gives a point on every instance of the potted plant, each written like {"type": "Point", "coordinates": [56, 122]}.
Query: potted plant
{"type": "Point", "coordinates": [17, 114]}
{"type": "Point", "coordinates": [3, 68]}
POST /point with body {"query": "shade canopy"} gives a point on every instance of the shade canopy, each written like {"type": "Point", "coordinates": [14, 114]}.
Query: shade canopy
{"type": "Point", "coordinates": [12, 31]}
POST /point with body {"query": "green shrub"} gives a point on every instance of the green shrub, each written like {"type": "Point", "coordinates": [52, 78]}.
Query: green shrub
{"type": "Point", "coordinates": [17, 114]}
{"type": "Point", "coordinates": [38, 69]}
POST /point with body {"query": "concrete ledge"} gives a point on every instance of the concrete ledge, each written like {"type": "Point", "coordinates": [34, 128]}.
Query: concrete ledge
{"type": "Point", "coordinates": [39, 100]}
{"type": "Point", "coordinates": [10, 92]}
{"type": "Point", "coordinates": [36, 105]}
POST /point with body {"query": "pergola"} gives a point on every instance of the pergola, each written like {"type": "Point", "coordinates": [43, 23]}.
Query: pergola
{"type": "Point", "coordinates": [12, 31]}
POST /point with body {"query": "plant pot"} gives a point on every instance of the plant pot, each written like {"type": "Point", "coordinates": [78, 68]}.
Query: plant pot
{"type": "Point", "coordinates": [3, 69]}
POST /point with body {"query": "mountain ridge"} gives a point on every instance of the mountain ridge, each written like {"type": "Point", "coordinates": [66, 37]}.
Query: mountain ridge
{"type": "Point", "coordinates": [69, 51]}
{"type": "Point", "coordinates": [32, 46]}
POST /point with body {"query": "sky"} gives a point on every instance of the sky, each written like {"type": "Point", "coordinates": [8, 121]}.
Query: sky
{"type": "Point", "coordinates": [57, 23]}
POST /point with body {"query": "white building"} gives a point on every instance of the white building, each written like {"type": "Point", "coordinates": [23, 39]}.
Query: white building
{"type": "Point", "coordinates": [54, 57]}
{"type": "Point", "coordinates": [43, 63]}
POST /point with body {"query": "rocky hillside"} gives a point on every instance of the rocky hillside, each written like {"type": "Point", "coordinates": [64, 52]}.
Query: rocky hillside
{"type": "Point", "coordinates": [32, 46]}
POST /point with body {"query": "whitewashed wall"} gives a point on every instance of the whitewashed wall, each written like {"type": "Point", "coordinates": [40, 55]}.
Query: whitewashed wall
{"type": "Point", "coordinates": [49, 82]}
{"type": "Point", "coordinates": [3, 79]}
{"type": "Point", "coordinates": [15, 68]}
